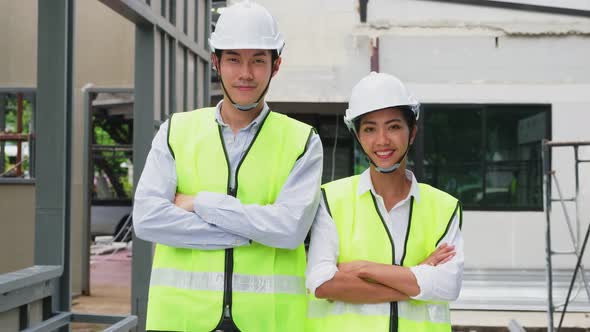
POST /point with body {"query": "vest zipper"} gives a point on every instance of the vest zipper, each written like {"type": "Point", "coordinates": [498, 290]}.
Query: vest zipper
{"type": "Point", "coordinates": [229, 271]}
{"type": "Point", "coordinates": [393, 311]}
{"type": "Point", "coordinates": [227, 323]}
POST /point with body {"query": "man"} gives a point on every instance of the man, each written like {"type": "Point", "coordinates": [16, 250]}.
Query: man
{"type": "Point", "coordinates": [228, 194]}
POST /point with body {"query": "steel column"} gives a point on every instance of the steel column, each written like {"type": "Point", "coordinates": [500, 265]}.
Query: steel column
{"type": "Point", "coordinates": [143, 132]}
{"type": "Point", "coordinates": [53, 150]}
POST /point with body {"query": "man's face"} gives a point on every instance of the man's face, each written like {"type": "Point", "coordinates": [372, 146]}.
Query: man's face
{"type": "Point", "coordinates": [245, 73]}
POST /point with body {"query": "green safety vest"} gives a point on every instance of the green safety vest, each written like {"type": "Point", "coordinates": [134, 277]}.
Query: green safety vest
{"type": "Point", "coordinates": [363, 235]}
{"type": "Point", "coordinates": [263, 287]}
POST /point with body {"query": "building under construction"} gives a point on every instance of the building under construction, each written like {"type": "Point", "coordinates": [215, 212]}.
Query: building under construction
{"type": "Point", "coordinates": [503, 85]}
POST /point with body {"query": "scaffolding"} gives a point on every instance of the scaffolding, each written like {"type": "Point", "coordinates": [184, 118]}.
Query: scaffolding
{"type": "Point", "coordinates": [573, 225]}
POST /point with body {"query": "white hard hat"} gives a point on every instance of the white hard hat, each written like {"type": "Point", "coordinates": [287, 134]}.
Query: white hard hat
{"type": "Point", "coordinates": [246, 25]}
{"type": "Point", "coordinates": [378, 91]}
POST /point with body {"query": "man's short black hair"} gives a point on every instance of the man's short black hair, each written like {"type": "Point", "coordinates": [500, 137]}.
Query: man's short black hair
{"type": "Point", "coordinates": [407, 113]}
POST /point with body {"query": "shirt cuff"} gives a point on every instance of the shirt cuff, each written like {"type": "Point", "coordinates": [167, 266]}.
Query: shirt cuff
{"type": "Point", "coordinates": [205, 205]}
{"type": "Point", "coordinates": [423, 277]}
{"type": "Point", "coordinates": [319, 276]}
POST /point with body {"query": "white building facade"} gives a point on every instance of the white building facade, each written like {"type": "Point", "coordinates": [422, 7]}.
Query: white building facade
{"type": "Point", "coordinates": [493, 83]}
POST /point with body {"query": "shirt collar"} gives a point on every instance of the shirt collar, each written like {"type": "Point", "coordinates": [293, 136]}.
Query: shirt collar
{"type": "Point", "coordinates": [254, 122]}
{"type": "Point", "coordinates": [365, 184]}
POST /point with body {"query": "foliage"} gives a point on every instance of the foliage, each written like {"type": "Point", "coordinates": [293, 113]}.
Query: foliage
{"type": "Point", "coordinates": [108, 164]}
{"type": "Point", "coordinates": [10, 120]}
{"type": "Point", "coordinates": [11, 114]}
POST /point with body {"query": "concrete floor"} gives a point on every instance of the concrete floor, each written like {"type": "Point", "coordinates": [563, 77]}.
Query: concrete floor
{"type": "Point", "coordinates": [110, 287]}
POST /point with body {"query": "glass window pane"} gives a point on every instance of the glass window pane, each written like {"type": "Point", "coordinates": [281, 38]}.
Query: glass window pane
{"type": "Point", "coordinates": [453, 151]}
{"type": "Point", "coordinates": [488, 156]}
{"type": "Point", "coordinates": [513, 156]}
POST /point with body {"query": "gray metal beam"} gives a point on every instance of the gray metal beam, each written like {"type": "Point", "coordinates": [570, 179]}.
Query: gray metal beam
{"type": "Point", "coordinates": [97, 319]}
{"type": "Point", "coordinates": [134, 11]}
{"type": "Point", "coordinates": [207, 79]}
{"type": "Point", "coordinates": [118, 323]}
{"type": "Point", "coordinates": [14, 299]}
{"type": "Point", "coordinates": [52, 324]}
{"type": "Point", "coordinates": [54, 101]}
{"type": "Point", "coordinates": [87, 179]}
{"type": "Point", "coordinates": [521, 6]}
{"type": "Point", "coordinates": [144, 110]}
{"type": "Point", "coordinates": [142, 14]}
{"type": "Point", "coordinates": [27, 91]}
{"type": "Point", "coordinates": [32, 275]}
{"type": "Point", "coordinates": [123, 325]}
{"type": "Point", "coordinates": [32, 157]}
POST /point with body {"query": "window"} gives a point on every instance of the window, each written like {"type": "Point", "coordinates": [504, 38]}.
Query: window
{"type": "Point", "coordinates": [17, 133]}
{"type": "Point", "coordinates": [488, 156]}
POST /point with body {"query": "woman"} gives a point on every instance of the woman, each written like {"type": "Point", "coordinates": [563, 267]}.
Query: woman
{"type": "Point", "coordinates": [386, 252]}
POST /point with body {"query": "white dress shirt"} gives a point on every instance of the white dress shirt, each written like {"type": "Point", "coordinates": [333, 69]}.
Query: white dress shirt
{"type": "Point", "coordinates": [437, 283]}
{"type": "Point", "coordinates": [220, 221]}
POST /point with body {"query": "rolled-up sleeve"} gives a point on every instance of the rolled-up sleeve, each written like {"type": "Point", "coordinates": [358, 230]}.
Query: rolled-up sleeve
{"type": "Point", "coordinates": [443, 282]}
{"type": "Point", "coordinates": [323, 250]}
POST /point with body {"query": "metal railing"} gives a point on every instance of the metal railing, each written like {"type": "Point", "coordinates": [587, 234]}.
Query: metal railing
{"type": "Point", "coordinates": [35, 285]}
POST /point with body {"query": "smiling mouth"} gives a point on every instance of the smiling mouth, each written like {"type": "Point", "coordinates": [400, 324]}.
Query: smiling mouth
{"type": "Point", "coordinates": [384, 154]}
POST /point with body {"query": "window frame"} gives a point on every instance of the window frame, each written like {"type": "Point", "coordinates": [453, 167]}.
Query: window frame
{"type": "Point", "coordinates": [30, 94]}
{"type": "Point", "coordinates": [460, 107]}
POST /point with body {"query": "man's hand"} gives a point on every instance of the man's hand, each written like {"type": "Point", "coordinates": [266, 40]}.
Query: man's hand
{"type": "Point", "coordinates": [441, 255]}
{"type": "Point", "coordinates": [184, 202]}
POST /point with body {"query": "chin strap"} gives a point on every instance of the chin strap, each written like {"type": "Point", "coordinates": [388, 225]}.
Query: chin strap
{"type": "Point", "coordinates": [391, 169]}
{"type": "Point", "coordinates": [247, 107]}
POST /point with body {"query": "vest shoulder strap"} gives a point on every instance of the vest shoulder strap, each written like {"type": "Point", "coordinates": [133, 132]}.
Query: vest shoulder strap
{"type": "Point", "coordinates": [295, 131]}
{"type": "Point", "coordinates": [340, 193]}
{"type": "Point", "coordinates": [187, 122]}
{"type": "Point", "coordinates": [441, 205]}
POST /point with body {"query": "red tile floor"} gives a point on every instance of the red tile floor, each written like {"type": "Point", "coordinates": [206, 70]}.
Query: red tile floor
{"type": "Point", "coordinates": [110, 289]}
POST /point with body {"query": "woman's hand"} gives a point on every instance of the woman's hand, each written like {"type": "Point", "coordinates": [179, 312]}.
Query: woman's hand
{"type": "Point", "coordinates": [184, 202]}
{"type": "Point", "coordinates": [441, 255]}
{"type": "Point", "coordinates": [355, 268]}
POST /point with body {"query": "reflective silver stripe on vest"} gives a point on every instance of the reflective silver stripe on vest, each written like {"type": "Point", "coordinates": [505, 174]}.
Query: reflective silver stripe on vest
{"type": "Point", "coordinates": [213, 281]}
{"type": "Point", "coordinates": [414, 311]}
{"type": "Point", "coordinates": [323, 308]}
{"type": "Point", "coordinates": [424, 312]}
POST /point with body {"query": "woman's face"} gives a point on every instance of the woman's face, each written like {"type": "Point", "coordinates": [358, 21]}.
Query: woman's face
{"type": "Point", "coordinates": [384, 135]}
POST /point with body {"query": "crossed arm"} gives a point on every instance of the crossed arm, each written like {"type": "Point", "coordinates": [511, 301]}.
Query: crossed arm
{"type": "Point", "coordinates": [370, 282]}
{"type": "Point", "coordinates": [437, 278]}
{"type": "Point", "coordinates": [213, 221]}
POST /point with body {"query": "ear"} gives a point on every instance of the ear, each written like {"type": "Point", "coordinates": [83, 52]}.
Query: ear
{"type": "Point", "coordinates": [413, 134]}
{"type": "Point", "coordinates": [276, 65]}
{"type": "Point", "coordinates": [214, 61]}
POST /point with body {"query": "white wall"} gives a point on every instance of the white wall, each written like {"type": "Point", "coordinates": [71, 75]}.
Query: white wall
{"type": "Point", "coordinates": [322, 59]}
{"type": "Point", "coordinates": [517, 239]}
{"type": "Point", "coordinates": [448, 53]}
